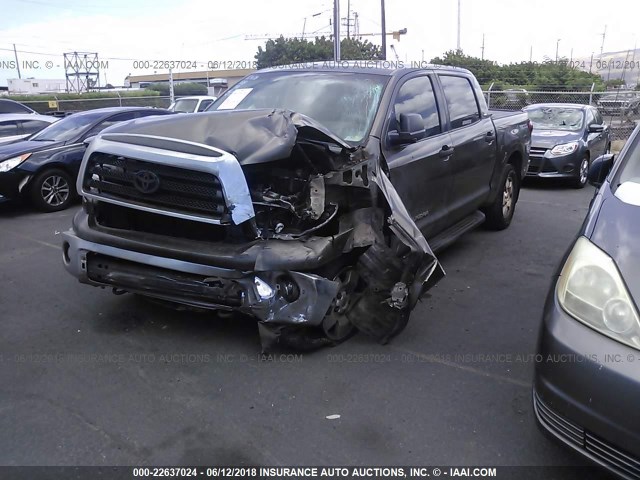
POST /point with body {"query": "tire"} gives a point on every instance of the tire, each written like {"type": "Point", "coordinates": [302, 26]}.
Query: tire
{"type": "Point", "coordinates": [581, 179]}
{"type": "Point", "coordinates": [499, 214]}
{"type": "Point", "coordinates": [52, 190]}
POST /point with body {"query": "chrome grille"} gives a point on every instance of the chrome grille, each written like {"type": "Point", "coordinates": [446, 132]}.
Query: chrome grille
{"type": "Point", "coordinates": [179, 190]}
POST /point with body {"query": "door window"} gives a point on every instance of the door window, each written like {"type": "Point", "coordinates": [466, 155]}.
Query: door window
{"type": "Point", "coordinates": [33, 126]}
{"type": "Point", "coordinates": [461, 101]}
{"type": "Point", "coordinates": [8, 129]}
{"type": "Point", "coordinates": [416, 96]}
{"type": "Point", "coordinates": [204, 104]}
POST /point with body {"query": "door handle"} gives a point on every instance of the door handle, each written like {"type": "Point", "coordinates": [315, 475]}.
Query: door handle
{"type": "Point", "coordinates": [446, 151]}
{"type": "Point", "coordinates": [489, 137]}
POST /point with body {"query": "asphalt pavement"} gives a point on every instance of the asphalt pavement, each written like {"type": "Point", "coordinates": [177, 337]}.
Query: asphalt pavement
{"type": "Point", "coordinates": [90, 378]}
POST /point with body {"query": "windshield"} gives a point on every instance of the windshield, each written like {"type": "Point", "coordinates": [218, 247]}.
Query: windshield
{"type": "Point", "coordinates": [184, 105]}
{"type": "Point", "coordinates": [556, 118]}
{"type": "Point", "coordinates": [67, 128]}
{"type": "Point", "coordinates": [344, 103]}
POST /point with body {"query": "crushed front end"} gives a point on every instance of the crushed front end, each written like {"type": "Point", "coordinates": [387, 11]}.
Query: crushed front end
{"type": "Point", "coordinates": [263, 213]}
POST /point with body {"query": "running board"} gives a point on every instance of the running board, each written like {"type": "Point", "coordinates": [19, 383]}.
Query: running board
{"type": "Point", "coordinates": [451, 234]}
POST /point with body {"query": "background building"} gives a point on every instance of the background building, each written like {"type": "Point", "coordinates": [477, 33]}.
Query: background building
{"type": "Point", "coordinates": [216, 80]}
{"type": "Point", "coordinates": [27, 86]}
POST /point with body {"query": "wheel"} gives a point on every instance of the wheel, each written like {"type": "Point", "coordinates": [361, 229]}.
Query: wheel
{"type": "Point", "coordinates": [499, 214]}
{"type": "Point", "coordinates": [583, 173]}
{"type": "Point", "coordinates": [335, 325]}
{"type": "Point", "coordinates": [52, 190]}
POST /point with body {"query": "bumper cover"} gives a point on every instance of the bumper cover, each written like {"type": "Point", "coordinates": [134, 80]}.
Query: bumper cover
{"type": "Point", "coordinates": [200, 285]}
{"type": "Point", "coordinates": [12, 182]}
{"type": "Point", "coordinates": [587, 391]}
{"type": "Point", "coordinates": [567, 166]}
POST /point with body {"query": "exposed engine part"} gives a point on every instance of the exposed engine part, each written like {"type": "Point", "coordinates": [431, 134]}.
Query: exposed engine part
{"type": "Point", "coordinates": [399, 296]}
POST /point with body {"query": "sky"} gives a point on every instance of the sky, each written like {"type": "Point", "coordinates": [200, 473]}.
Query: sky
{"type": "Point", "coordinates": [124, 31]}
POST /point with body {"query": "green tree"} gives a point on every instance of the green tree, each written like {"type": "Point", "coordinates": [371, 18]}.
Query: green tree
{"type": "Point", "coordinates": [284, 51]}
{"type": "Point", "coordinates": [484, 70]}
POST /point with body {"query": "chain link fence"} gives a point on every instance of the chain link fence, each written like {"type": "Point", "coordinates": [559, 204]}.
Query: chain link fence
{"type": "Point", "coordinates": [620, 109]}
{"type": "Point", "coordinates": [82, 104]}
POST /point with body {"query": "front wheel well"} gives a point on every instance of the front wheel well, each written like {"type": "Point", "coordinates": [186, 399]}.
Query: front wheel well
{"type": "Point", "coordinates": [516, 160]}
{"type": "Point", "coordinates": [52, 166]}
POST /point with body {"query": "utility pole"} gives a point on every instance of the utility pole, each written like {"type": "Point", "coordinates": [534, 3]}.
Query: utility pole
{"type": "Point", "coordinates": [530, 53]}
{"type": "Point", "coordinates": [557, 46]}
{"type": "Point", "coordinates": [336, 30]}
{"type": "Point", "coordinates": [591, 64]}
{"type": "Point", "coordinates": [171, 94]}
{"type": "Point", "coordinates": [383, 22]}
{"type": "Point", "coordinates": [482, 58]}
{"type": "Point", "coordinates": [604, 34]}
{"type": "Point", "coordinates": [15, 52]}
{"type": "Point", "coordinates": [348, 19]}
{"type": "Point", "coordinates": [458, 44]}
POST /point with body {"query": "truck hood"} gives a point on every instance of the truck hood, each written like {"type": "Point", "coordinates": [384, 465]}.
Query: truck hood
{"type": "Point", "coordinates": [551, 138]}
{"type": "Point", "coordinates": [252, 136]}
{"type": "Point", "coordinates": [11, 150]}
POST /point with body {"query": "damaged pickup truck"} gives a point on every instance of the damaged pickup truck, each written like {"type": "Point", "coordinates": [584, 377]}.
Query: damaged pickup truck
{"type": "Point", "coordinates": [302, 197]}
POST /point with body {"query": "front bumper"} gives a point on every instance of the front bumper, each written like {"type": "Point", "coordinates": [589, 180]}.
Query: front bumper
{"type": "Point", "coordinates": [587, 391]}
{"type": "Point", "coordinates": [12, 183]}
{"type": "Point", "coordinates": [546, 166]}
{"type": "Point", "coordinates": [264, 294]}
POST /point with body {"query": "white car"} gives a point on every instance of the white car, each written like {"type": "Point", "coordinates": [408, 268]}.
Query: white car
{"type": "Point", "coordinates": [16, 126]}
{"type": "Point", "coordinates": [196, 103]}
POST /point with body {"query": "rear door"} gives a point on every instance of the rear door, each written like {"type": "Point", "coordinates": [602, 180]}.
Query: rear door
{"type": "Point", "coordinates": [474, 143]}
{"type": "Point", "coordinates": [420, 171]}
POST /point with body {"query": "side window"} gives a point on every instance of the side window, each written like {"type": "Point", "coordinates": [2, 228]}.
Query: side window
{"type": "Point", "coordinates": [461, 101]}
{"type": "Point", "coordinates": [121, 117]}
{"type": "Point", "coordinates": [416, 96]}
{"type": "Point", "coordinates": [8, 129]}
{"type": "Point", "coordinates": [589, 118]}
{"type": "Point", "coordinates": [32, 126]}
{"type": "Point", "coordinates": [204, 104]}
{"type": "Point", "coordinates": [599, 119]}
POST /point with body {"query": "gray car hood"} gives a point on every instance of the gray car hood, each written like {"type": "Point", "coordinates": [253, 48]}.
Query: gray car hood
{"type": "Point", "coordinates": [252, 136]}
{"type": "Point", "coordinates": [551, 138]}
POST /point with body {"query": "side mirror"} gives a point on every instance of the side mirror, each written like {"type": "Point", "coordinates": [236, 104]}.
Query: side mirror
{"type": "Point", "coordinates": [410, 130]}
{"type": "Point", "coordinates": [596, 128]}
{"type": "Point", "coordinates": [600, 168]}
{"type": "Point", "coordinates": [87, 140]}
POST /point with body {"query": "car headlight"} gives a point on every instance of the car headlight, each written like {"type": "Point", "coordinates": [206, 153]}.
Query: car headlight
{"type": "Point", "coordinates": [10, 163]}
{"type": "Point", "coordinates": [591, 290]}
{"type": "Point", "coordinates": [564, 149]}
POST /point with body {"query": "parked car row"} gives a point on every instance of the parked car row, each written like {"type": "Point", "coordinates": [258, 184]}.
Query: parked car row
{"type": "Point", "coordinates": [43, 167]}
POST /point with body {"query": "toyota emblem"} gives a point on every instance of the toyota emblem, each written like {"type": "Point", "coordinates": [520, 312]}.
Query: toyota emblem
{"type": "Point", "coordinates": [146, 181]}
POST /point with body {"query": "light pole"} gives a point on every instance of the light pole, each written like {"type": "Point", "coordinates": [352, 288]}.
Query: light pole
{"type": "Point", "coordinates": [383, 21]}
{"type": "Point", "coordinates": [557, 46]}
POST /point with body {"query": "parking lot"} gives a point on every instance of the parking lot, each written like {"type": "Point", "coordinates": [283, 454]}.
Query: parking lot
{"type": "Point", "coordinates": [90, 378]}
